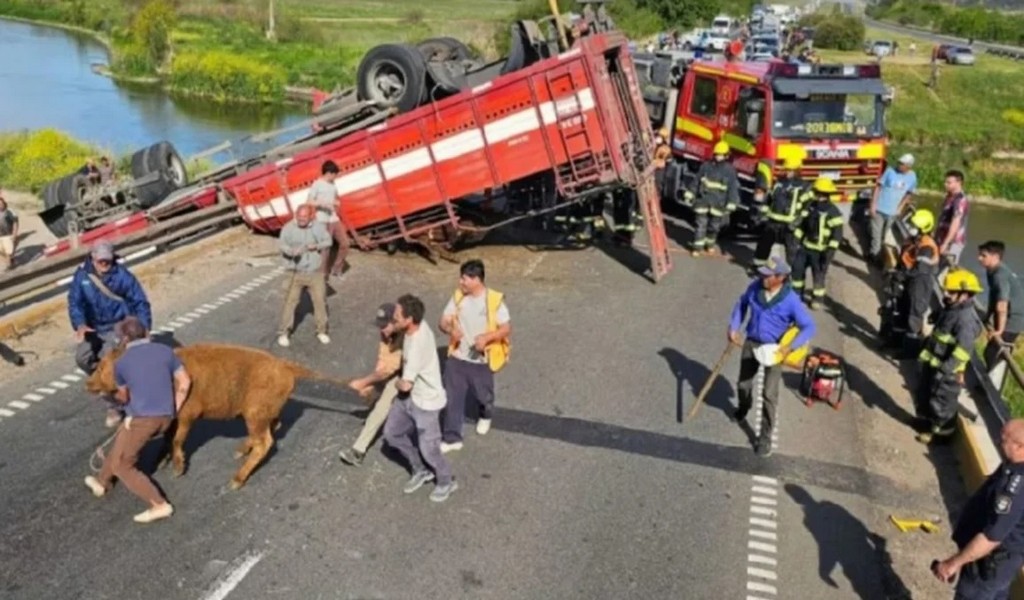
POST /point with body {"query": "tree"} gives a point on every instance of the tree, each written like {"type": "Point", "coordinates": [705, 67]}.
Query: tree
{"type": "Point", "coordinates": [152, 26]}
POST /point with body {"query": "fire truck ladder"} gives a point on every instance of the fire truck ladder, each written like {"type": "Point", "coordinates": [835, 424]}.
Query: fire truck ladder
{"type": "Point", "coordinates": [582, 169]}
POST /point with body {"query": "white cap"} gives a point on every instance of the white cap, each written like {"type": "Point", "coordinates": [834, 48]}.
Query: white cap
{"type": "Point", "coordinates": [907, 159]}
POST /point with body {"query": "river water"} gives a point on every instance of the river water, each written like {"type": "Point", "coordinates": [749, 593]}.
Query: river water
{"type": "Point", "coordinates": [46, 80]}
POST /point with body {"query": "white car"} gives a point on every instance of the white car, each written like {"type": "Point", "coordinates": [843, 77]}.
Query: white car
{"type": "Point", "coordinates": [722, 25]}
{"type": "Point", "coordinates": [960, 55]}
{"type": "Point", "coordinates": [881, 48]}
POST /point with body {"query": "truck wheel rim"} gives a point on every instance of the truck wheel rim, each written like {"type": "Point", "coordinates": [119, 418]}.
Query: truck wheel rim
{"type": "Point", "coordinates": [387, 82]}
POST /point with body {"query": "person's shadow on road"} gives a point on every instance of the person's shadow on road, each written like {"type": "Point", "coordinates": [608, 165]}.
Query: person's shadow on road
{"type": "Point", "coordinates": [844, 541]}
{"type": "Point", "coordinates": [696, 374]}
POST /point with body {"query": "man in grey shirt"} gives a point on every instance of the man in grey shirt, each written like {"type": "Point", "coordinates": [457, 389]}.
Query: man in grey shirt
{"type": "Point", "coordinates": [417, 409]}
{"type": "Point", "coordinates": [323, 195]}
{"type": "Point", "coordinates": [1005, 300]}
{"type": "Point", "coordinates": [8, 235]}
{"type": "Point", "coordinates": [302, 241]}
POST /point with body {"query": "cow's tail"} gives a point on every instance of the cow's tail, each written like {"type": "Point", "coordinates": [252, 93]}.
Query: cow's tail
{"type": "Point", "coordinates": [304, 373]}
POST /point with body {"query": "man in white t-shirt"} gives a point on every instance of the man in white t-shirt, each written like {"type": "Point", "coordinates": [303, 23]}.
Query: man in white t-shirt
{"type": "Point", "coordinates": [324, 196]}
{"type": "Point", "coordinates": [469, 367]}
{"type": "Point", "coordinates": [417, 409]}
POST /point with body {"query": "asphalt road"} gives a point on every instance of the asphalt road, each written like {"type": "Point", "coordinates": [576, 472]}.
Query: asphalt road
{"type": "Point", "coordinates": [937, 37]}
{"type": "Point", "coordinates": [588, 485]}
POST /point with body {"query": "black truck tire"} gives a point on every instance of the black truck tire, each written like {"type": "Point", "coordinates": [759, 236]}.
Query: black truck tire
{"type": "Point", "coordinates": [163, 159]}
{"type": "Point", "coordinates": [399, 67]}
{"type": "Point", "coordinates": [53, 208]}
{"type": "Point", "coordinates": [443, 48]}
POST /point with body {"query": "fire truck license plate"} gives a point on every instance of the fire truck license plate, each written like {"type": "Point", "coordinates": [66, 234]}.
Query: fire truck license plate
{"type": "Point", "coordinates": [833, 175]}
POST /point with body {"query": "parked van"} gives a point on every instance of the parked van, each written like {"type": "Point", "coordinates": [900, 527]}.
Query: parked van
{"type": "Point", "coordinates": [722, 25]}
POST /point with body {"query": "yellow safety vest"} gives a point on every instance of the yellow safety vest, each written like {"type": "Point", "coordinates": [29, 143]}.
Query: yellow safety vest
{"type": "Point", "coordinates": [498, 353]}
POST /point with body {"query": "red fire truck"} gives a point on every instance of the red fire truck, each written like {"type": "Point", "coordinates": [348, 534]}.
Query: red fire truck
{"type": "Point", "coordinates": [831, 116]}
{"type": "Point", "coordinates": [568, 117]}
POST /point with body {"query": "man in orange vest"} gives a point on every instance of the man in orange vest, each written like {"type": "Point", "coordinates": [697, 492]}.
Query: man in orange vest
{"type": "Point", "coordinates": [918, 267]}
{"type": "Point", "coordinates": [478, 326]}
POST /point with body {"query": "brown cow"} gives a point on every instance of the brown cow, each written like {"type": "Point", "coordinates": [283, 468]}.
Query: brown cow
{"type": "Point", "coordinates": [227, 382]}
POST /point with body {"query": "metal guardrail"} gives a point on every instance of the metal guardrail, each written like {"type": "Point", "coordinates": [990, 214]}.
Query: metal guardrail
{"type": "Point", "coordinates": [992, 382]}
{"type": "Point", "coordinates": [20, 286]}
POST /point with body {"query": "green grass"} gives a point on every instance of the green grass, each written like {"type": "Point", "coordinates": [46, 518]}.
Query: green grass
{"type": "Point", "coordinates": [1013, 393]}
{"type": "Point", "coordinates": [975, 112]}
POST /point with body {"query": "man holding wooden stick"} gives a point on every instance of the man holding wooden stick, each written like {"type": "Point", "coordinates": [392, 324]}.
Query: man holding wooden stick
{"type": "Point", "coordinates": [773, 308]}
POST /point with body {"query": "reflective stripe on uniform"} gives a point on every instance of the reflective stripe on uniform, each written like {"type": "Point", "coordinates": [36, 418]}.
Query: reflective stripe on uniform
{"type": "Point", "coordinates": [713, 185]}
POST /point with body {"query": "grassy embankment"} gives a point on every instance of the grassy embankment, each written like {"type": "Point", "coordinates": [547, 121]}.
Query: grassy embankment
{"type": "Point", "coordinates": [973, 121]}
{"type": "Point", "coordinates": [219, 50]}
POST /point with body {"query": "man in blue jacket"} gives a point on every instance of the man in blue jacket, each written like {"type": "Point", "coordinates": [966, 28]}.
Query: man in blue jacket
{"type": "Point", "coordinates": [773, 308]}
{"type": "Point", "coordinates": [102, 294]}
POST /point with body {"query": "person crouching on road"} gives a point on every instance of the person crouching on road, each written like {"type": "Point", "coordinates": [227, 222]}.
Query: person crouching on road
{"type": "Point", "coordinates": [102, 294]}
{"type": "Point", "coordinates": [820, 232]}
{"type": "Point", "coordinates": [718, 193]}
{"type": "Point", "coordinates": [302, 241]}
{"type": "Point", "coordinates": [478, 324]}
{"type": "Point", "coordinates": [945, 355]}
{"type": "Point", "coordinates": [417, 410]}
{"type": "Point", "coordinates": [990, 532]}
{"type": "Point", "coordinates": [383, 379]}
{"type": "Point", "coordinates": [773, 307]}
{"type": "Point", "coordinates": [153, 385]}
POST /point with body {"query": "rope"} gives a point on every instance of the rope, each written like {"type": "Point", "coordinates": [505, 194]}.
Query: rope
{"type": "Point", "coordinates": [95, 466]}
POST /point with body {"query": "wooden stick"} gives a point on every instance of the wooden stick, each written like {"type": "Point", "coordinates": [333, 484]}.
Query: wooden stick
{"type": "Point", "coordinates": [711, 379]}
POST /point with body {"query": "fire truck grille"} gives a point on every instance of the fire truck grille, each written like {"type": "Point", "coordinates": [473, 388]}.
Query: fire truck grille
{"type": "Point", "coordinates": [848, 175]}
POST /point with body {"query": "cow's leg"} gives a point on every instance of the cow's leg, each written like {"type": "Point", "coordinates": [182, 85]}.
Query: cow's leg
{"type": "Point", "coordinates": [261, 440]}
{"type": "Point", "coordinates": [185, 421]}
{"type": "Point", "coordinates": [244, 448]}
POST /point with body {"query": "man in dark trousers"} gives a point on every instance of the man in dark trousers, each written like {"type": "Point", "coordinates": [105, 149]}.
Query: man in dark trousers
{"type": "Point", "coordinates": [820, 232]}
{"type": "Point", "coordinates": [945, 355]}
{"type": "Point", "coordinates": [773, 308]}
{"type": "Point", "coordinates": [152, 384]}
{"type": "Point", "coordinates": [915, 278]}
{"type": "Point", "coordinates": [990, 532]}
{"type": "Point", "coordinates": [718, 193]}
{"type": "Point", "coordinates": [782, 211]}
{"type": "Point", "coordinates": [1005, 301]}
{"type": "Point", "coordinates": [103, 293]}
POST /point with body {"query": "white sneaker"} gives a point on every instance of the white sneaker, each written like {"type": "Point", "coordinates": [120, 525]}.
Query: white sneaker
{"type": "Point", "coordinates": [282, 340]}
{"type": "Point", "coordinates": [483, 426]}
{"type": "Point", "coordinates": [155, 513]}
{"type": "Point", "coordinates": [446, 447]}
{"type": "Point", "coordinates": [94, 484]}
{"type": "Point", "coordinates": [324, 339]}
{"type": "Point", "coordinates": [114, 418]}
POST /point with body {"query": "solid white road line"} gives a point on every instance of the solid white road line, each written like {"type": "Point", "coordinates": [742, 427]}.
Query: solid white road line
{"type": "Point", "coordinates": [232, 577]}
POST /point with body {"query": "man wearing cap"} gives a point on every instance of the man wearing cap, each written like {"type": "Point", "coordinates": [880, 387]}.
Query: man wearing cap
{"type": "Point", "coordinates": [773, 308]}
{"type": "Point", "coordinates": [892, 192]}
{"type": "Point", "coordinates": [103, 293]}
{"type": "Point", "coordinates": [382, 379]}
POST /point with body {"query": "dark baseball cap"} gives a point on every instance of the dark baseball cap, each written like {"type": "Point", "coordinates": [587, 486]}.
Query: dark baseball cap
{"type": "Point", "coordinates": [385, 312]}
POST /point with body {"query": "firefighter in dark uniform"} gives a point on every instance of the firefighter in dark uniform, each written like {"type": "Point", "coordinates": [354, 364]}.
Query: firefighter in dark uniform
{"type": "Point", "coordinates": [912, 283]}
{"type": "Point", "coordinates": [944, 356]}
{"type": "Point", "coordinates": [990, 532]}
{"type": "Point", "coordinates": [782, 211]}
{"type": "Point", "coordinates": [763, 184]}
{"type": "Point", "coordinates": [718, 193]}
{"type": "Point", "coordinates": [819, 233]}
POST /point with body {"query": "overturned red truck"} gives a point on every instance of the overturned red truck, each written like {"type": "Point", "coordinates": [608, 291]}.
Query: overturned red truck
{"type": "Point", "coordinates": [550, 126]}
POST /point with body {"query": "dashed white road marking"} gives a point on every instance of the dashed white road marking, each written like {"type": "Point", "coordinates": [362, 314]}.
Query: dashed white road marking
{"type": "Point", "coordinates": [232, 577]}
{"type": "Point", "coordinates": [65, 381]}
{"type": "Point", "coordinates": [762, 566]}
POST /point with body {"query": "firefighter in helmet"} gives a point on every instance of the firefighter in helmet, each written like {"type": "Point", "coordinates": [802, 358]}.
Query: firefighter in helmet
{"type": "Point", "coordinates": [718, 193]}
{"type": "Point", "coordinates": [662, 152]}
{"type": "Point", "coordinates": [945, 355]}
{"type": "Point", "coordinates": [911, 283]}
{"type": "Point", "coordinates": [782, 211]}
{"type": "Point", "coordinates": [819, 233]}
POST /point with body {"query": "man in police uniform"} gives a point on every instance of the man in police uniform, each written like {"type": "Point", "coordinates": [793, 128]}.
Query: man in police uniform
{"type": "Point", "coordinates": [990, 533]}
{"type": "Point", "coordinates": [718, 193]}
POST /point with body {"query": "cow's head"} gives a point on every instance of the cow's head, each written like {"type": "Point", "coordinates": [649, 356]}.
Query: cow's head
{"type": "Point", "coordinates": [102, 379]}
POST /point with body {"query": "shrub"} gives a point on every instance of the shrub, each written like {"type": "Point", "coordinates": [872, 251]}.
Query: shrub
{"type": "Point", "coordinates": [151, 29]}
{"type": "Point", "coordinates": [222, 76]}
{"type": "Point", "coordinates": [28, 161]}
{"type": "Point", "coordinates": [839, 32]}
{"type": "Point", "coordinates": [133, 60]}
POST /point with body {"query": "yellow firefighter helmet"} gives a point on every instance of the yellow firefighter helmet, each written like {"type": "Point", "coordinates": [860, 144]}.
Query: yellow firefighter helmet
{"type": "Point", "coordinates": [824, 185]}
{"type": "Point", "coordinates": [924, 220]}
{"type": "Point", "coordinates": [962, 280]}
{"type": "Point", "coordinates": [663, 132]}
{"type": "Point", "coordinates": [721, 148]}
{"type": "Point", "coordinates": [792, 163]}
{"type": "Point", "coordinates": [796, 356]}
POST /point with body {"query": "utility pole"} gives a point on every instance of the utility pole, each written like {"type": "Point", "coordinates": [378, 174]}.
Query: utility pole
{"type": "Point", "coordinates": [271, 34]}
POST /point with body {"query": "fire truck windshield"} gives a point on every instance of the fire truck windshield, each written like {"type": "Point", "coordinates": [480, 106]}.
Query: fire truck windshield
{"type": "Point", "coordinates": [827, 115]}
